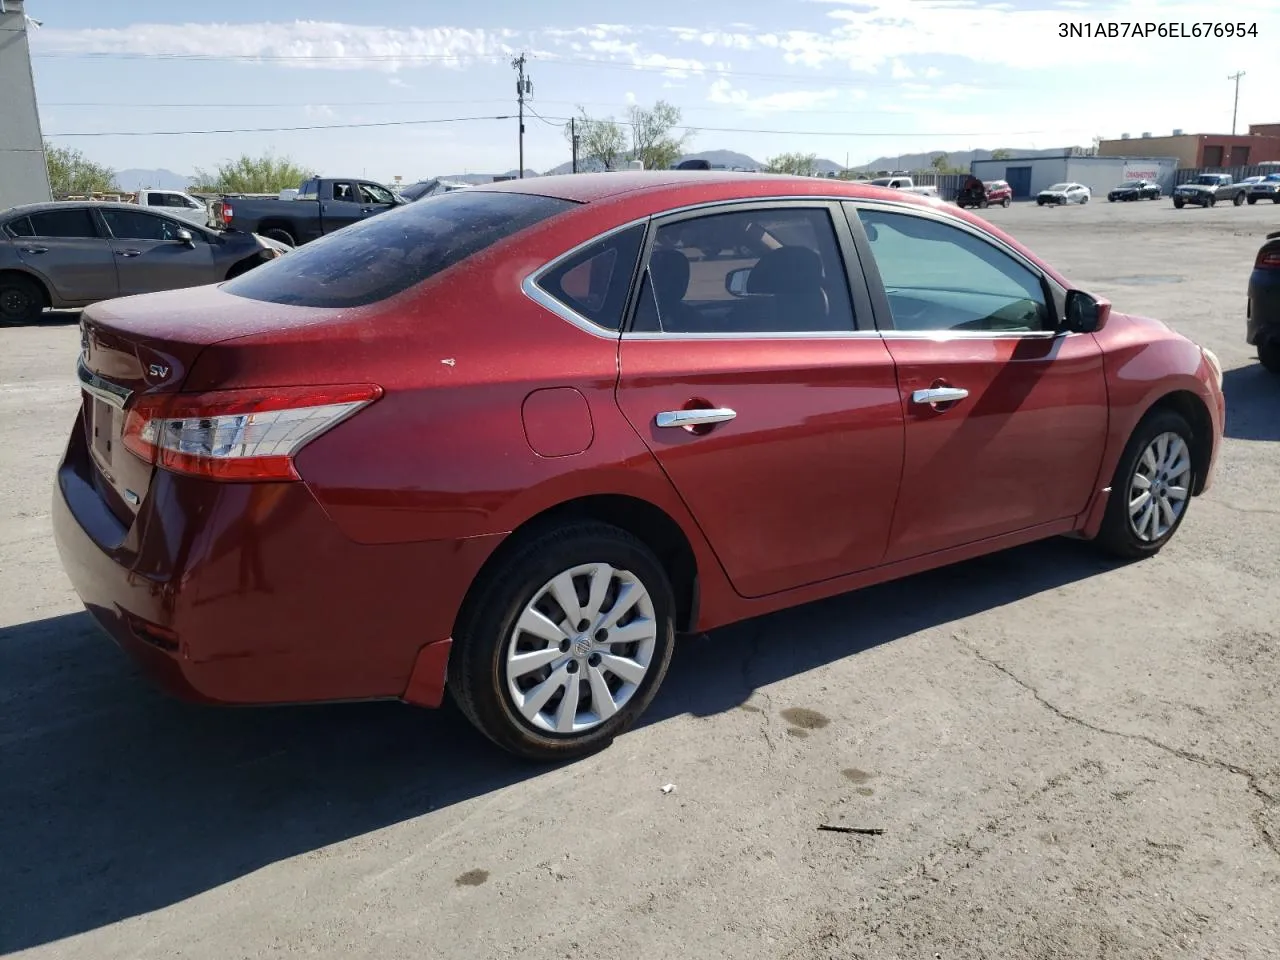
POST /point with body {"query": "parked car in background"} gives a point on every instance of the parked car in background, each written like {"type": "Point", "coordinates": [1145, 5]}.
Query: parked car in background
{"type": "Point", "coordinates": [984, 193]}
{"type": "Point", "coordinates": [1263, 308]}
{"type": "Point", "coordinates": [905, 184]}
{"type": "Point", "coordinates": [430, 188]}
{"type": "Point", "coordinates": [534, 434]}
{"type": "Point", "coordinates": [1134, 190]}
{"type": "Point", "coordinates": [322, 205]}
{"type": "Point", "coordinates": [175, 203]}
{"type": "Point", "coordinates": [1062, 193]}
{"type": "Point", "coordinates": [1265, 188]}
{"type": "Point", "coordinates": [1208, 189]}
{"type": "Point", "coordinates": [70, 254]}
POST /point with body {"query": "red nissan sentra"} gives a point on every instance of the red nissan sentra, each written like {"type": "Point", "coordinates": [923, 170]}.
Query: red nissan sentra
{"type": "Point", "coordinates": [510, 441]}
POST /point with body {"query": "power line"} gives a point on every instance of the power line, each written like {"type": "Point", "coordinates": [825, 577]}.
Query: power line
{"type": "Point", "coordinates": [548, 119]}
{"type": "Point", "coordinates": [318, 126]}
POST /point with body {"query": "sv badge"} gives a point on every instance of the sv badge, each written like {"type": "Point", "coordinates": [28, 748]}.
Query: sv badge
{"type": "Point", "coordinates": [158, 370]}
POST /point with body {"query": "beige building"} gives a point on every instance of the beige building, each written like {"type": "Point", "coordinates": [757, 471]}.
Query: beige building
{"type": "Point", "coordinates": [24, 178]}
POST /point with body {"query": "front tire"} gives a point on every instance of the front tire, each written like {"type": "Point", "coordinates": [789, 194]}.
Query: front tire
{"type": "Point", "coordinates": [1238, 199]}
{"type": "Point", "coordinates": [564, 643]}
{"type": "Point", "coordinates": [1005, 202]}
{"type": "Point", "coordinates": [21, 300]}
{"type": "Point", "coordinates": [1178, 204]}
{"type": "Point", "coordinates": [1252, 200]}
{"type": "Point", "coordinates": [1151, 488]}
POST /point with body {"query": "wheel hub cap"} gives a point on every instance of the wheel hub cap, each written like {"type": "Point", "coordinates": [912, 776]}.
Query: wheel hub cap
{"type": "Point", "coordinates": [1159, 488]}
{"type": "Point", "coordinates": [580, 649]}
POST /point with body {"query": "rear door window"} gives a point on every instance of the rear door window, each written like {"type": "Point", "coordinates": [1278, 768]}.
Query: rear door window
{"type": "Point", "coordinates": [74, 223]}
{"type": "Point", "coordinates": [385, 255]}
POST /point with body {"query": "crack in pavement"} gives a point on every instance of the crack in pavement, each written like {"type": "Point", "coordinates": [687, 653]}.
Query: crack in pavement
{"type": "Point", "coordinates": [1267, 798]}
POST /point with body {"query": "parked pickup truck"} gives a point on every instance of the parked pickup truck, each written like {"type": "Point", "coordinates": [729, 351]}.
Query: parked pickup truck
{"type": "Point", "coordinates": [321, 205]}
{"type": "Point", "coordinates": [905, 184]}
{"type": "Point", "coordinates": [1207, 189]}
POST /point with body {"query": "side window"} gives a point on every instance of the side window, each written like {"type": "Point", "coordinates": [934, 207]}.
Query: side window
{"type": "Point", "coordinates": [372, 193]}
{"type": "Point", "coordinates": [127, 225]}
{"type": "Point", "coordinates": [594, 283]}
{"type": "Point", "coordinates": [756, 272]}
{"type": "Point", "coordinates": [72, 223]}
{"type": "Point", "coordinates": [20, 227]}
{"type": "Point", "coordinates": [309, 190]}
{"type": "Point", "coordinates": [940, 277]}
{"type": "Point", "coordinates": [344, 192]}
{"type": "Point", "coordinates": [157, 199]}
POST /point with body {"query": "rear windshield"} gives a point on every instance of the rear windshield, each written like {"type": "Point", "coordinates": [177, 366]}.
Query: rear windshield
{"type": "Point", "coordinates": [377, 258]}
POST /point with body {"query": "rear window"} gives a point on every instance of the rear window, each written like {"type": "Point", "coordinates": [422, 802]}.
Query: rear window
{"type": "Point", "coordinates": [377, 258]}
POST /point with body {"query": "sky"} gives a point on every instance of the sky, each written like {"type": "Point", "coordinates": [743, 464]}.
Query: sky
{"type": "Point", "coordinates": [417, 90]}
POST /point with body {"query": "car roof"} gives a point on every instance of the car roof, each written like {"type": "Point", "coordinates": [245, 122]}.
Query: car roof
{"type": "Point", "coordinates": [592, 187]}
{"type": "Point", "coordinates": [25, 209]}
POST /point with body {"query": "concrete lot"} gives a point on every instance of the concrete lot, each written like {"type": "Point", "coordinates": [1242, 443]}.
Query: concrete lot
{"type": "Point", "coordinates": [1067, 758]}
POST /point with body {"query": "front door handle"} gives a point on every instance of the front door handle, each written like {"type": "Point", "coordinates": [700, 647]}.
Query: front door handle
{"type": "Point", "coordinates": [128, 253]}
{"type": "Point", "coordinates": [35, 249]}
{"type": "Point", "coordinates": [936, 395]}
{"type": "Point", "coordinates": [694, 418]}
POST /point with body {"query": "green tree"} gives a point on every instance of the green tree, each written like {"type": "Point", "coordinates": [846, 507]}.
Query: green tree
{"type": "Point", "coordinates": [265, 174]}
{"type": "Point", "coordinates": [799, 164]}
{"type": "Point", "coordinates": [1002, 154]}
{"type": "Point", "coordinates": [940, 163]}
{"type": "Point", "coordinates": [70, 172]}
{"type": "Point", "coordinates": [653, 135]}
{"type": "Point", "coordinates": [599, 141]}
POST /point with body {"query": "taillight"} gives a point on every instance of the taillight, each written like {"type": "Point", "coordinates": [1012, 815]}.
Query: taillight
{"type": "Point", "coordinates": [1267, 260]}
{"type": "Point", "coordinates": [227, 213]}
{"type": "Point", "coordinates": [238, 434]}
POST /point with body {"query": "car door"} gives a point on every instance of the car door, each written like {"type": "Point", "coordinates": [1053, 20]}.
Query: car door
{"type": "Point", "coordinates": [374, 199]}
{"type": "Point", "coordinates": [1005, 417]}
{"type": "Point", "coordinates": [343, 207]}
{"type": "Point", "coordinates": [150, 255]}
{"type": "Point", "coordinates": [752, 371]}
{"type": "Point", "coordinates": [65, 247]}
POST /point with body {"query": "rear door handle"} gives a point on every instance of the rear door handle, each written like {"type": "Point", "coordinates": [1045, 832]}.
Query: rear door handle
{"type": "Point", "coordinates": [939, 395]}
{"type": "Point", "coordinates": [35, 249]}
{"type": "Point", "coordinates": [128, 253]}
{"type": "Point", "coordinates": [694, 418]}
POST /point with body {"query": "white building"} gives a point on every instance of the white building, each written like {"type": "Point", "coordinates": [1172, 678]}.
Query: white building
{"type": "Point", "coordinates": [1031, 175]}
{"type": "Point", "coordinates": [24, 178]}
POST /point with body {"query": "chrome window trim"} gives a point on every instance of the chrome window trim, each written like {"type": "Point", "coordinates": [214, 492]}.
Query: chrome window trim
{"type": "Point", "coordinates": [104, 390]}
{"type": "Point", "coordinates": [531, 288]}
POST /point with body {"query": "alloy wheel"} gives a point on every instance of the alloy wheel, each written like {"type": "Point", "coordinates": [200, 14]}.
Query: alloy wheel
{"type": "Point", "coordinates": [580, 649]}
{"type": "Point", "coordinates": [1160, 486]}
{"type": "Point", "coordinates": [14, 303]}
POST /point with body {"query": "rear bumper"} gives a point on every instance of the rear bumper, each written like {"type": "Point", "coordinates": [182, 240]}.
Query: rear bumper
{"type": "Point", "coordinates": [1263, 307]}
{"type": "Point", "coordinates": [249, 593]}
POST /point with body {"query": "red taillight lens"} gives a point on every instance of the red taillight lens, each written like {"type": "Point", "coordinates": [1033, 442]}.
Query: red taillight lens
{"type": "Point", "coordinates": [227, 213]}
{"type": "Point", "coordinates": [1267, 260]}
{"type": "Point", "coordinates": [238, 434]}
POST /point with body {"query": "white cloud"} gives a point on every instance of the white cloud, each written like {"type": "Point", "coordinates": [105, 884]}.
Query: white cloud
{"type": "Point", "coordinates": [723, 92]}
{"type": "Point", "coordinates": [305, 43]}
{"type": "Point", "coordinates": [630, 97]}
{"type": "Point", "coordinates": [901, 71]}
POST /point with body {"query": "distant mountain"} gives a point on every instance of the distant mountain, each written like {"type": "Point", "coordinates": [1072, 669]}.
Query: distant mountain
{"type": "Point", "coordinates": [474, 178]}
{"type": "Point", "coordinates": [162, 179]}
{"type": "Point", "coordinates": [955, 158]}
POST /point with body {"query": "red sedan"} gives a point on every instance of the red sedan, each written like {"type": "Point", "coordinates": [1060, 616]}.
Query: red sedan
{"type": "Point", "coordinates": [510, 441]}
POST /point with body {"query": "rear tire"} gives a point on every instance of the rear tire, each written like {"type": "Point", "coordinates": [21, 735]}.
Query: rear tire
{"type": "Point", "coordinates": [521, 706]}
{"type": "Point", "coordinates": [1269, 355]}
{"type": "Point", "coordinates": [1178, 204]}
{"type": "Point", "coordinates": [1252, 200]}
{"type": "Point", "coordinates": [1154, 463]}
{"type": "Point", "coordinates": [280, 235]}
{"type": "Point", "coordinates": [21, 300]}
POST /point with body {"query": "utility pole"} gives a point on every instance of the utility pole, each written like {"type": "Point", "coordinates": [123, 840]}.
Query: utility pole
{"type": "Point", "coordinates": [573, 139]}
{"type": "Point", "coordinates": [524, 86]}
{"type": "Point", "coordinates": [1236, 105]}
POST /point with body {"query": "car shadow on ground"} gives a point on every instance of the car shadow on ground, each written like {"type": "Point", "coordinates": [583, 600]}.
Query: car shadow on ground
{"type": "Point", "coordinates": [1253, 403]}
{"type": "Point", "coordinates": [119, 801]}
